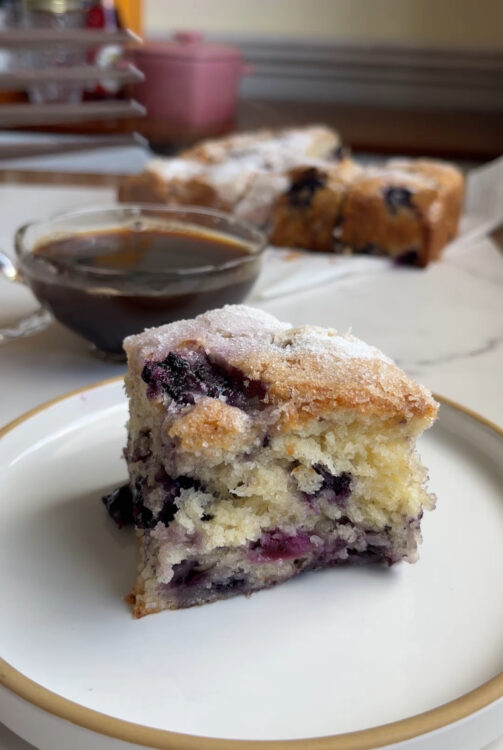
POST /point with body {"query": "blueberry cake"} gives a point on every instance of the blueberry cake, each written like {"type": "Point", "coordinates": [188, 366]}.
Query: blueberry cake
{"type": "Point", "coordinates": [242, 174]}
{"type": "Point", "coordinates": [257, 451]}
{"type": "Point", "coordinates": [301, 187]}
{"type": "Point", "coordinates": [408, 210]}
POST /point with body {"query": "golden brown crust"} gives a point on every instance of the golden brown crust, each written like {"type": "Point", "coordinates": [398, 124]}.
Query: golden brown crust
{"type": "Point", "coordinates": [144, 188]}
{"type": "Point", "coordinates": [368, 221]}
{"type": "Point", "coordinates": [347, 210]}
{"type": "Point", "coordinates": [198, 192]}
{"type": "Point", "coordinates": [210, 428]}
{"type": "Point", "coordinates": [308, 386]}
{"type": "Point", "coordinates": [301, 388]}
{"type": "Point", "coordinates": [450, 185]}
{"type": "Point", "coordinates": [308, 371]}
{"type": "Point", "coordinates": [149, 187]}
{"type": "Point", "coordinates": [447, 177]}
{"type": "Point", "coordinates": [137, 603]}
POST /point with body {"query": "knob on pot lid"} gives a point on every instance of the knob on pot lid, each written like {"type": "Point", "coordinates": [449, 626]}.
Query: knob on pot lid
{"type": "Point", "coordinates": [190, 45]}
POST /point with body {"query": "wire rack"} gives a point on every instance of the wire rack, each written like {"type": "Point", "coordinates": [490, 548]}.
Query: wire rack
{"type": "Point", "coordinates": [28, 114]}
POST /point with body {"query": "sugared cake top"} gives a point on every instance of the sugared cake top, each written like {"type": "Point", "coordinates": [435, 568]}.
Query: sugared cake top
{"type": "Point", "coordinates": [306, 370]}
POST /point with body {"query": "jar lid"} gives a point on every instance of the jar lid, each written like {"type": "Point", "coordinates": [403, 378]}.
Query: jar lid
{"type": "Point", "coordinates": [189, 45]}
{"type": "Point", "coordinates": [54, 6]}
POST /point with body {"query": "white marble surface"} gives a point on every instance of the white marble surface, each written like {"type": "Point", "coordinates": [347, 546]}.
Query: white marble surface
{"type": "Point", "coordinates": [444, 325]}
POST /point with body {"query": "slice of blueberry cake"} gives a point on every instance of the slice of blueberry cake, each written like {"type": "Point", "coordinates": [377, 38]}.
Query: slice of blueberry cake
{"type": "Point", "coordinates": [257, 451]}
{"type": "Point", "coordinates": [407, 209]}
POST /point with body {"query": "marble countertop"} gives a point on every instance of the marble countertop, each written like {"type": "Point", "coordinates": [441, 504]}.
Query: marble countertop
{"type": "Point", "coordinates": [443, 325]}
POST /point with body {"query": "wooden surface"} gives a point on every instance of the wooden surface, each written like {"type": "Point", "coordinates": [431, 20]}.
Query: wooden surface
{"type": "Point", "coordinates": [34, 114]}
{"type": "Point", "coordinates": [452, 135]}
{"type": "Point", "coordinates": [39, 37]}
{"type": "Point", "coordinates": [25, 177]}
{"type": "Point", "coordinates": [458, 135]}
{"type": "Point", "coordinates": [463, 135]}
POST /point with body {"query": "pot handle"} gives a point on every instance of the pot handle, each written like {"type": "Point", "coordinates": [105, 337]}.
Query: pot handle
{"type": "Point", "coordinates": [32, 323]}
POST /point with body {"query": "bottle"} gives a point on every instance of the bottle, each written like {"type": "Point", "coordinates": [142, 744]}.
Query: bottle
{"type": "Point", "coordinates": [103, 15]}
{"type": "Point", "coordinates": [61, 15]}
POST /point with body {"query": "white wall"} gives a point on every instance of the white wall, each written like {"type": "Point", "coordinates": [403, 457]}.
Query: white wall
{"type": "Point", "coordinates": [477, 23]}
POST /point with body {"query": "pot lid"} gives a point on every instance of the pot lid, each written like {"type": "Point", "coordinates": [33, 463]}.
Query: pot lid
{"type": "Point", "coordinates": [189, 45]}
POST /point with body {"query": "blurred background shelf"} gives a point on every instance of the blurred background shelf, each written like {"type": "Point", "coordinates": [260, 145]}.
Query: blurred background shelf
{"type": "Point", "coordinates": [392, 77]}
{"type": "Point", "coordinates": [17, 145]}
{"type": "Point", "coordinates": [16, 115]}
{"type": "Point", "coordinates": [16, 38]}
{"type": "Point", "coordinates": [80, 74]}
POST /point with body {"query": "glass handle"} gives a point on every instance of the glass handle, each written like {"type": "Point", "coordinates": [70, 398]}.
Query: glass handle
{"type": "Point", "coordinates": [32, 323]}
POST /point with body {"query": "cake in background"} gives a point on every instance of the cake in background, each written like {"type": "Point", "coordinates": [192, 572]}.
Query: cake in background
{"type": "Point", "coordinates": [407, 209]}
{"type": "Point", "coordinates": [242, 174]}
{"type": "Point", "coordinates": [301, 185]}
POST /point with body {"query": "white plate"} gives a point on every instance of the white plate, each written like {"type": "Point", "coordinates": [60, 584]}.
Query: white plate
{"type": "Point", "coordinates": [330, 653]}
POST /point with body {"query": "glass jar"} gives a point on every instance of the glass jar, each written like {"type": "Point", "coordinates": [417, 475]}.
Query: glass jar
{"type": "Point", "coordinates": [55, 14]}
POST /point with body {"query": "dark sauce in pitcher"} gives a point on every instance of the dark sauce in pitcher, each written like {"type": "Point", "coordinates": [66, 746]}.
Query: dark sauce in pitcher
{"type": "Point", "coordinates": [130, 292]}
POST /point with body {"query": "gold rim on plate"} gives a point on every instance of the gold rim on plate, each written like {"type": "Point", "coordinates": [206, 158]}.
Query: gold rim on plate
{"type": "Point", "coordinates": [366, 739]}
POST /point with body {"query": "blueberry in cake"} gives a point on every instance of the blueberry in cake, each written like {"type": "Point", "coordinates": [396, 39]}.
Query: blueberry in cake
{"type": "Point", "coordinates": [257, 451]}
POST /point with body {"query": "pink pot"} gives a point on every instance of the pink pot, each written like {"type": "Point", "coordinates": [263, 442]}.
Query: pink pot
{"type": "Point", "coordinates": [190, 88]}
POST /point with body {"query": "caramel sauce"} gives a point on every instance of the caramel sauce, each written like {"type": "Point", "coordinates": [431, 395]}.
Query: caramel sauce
{"type": "Point", "coordinates": [131, 291]}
